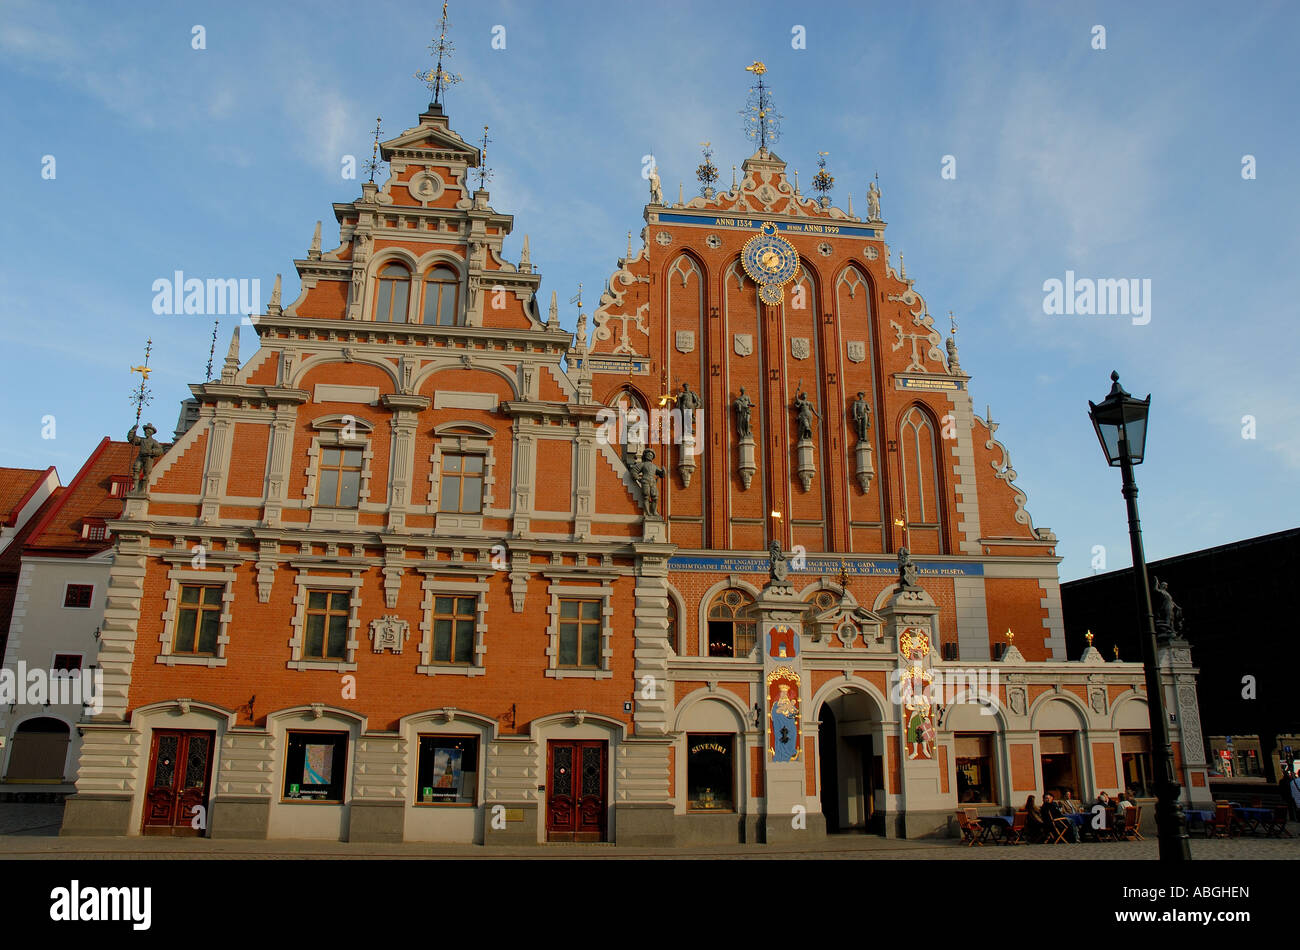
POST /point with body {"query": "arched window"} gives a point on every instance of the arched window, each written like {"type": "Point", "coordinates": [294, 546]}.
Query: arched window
{"type": "Point", "coordinates": [633, 421]}
{"type": "Point", "coordinates": [733, 624]}
{"type": "Point", "coordinates": [673, 641]}
{"type": "Point", "coordinates": [391, 296]}
{"type": "Point", "coordinates": [919, 453]}
{"type": "Point", "coordinates": [441, 296]}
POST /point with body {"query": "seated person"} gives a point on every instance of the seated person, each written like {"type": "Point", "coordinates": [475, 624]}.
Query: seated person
{"type": "Point", "coordinates": [1052, 810]}
{"type": "Point", "coordinates": [1034, 824]}
{"type": "Point", "coordinates": [1067, 802]}
{"type": "Point", "coordinates": [1121, 801]}
{"type": "Point", "coordinates": [1104, 799]}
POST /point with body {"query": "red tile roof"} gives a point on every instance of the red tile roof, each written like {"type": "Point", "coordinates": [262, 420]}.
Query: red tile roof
{"type": "Point", "coordinates": [17, 485]}
{"type": "Point", "coordinates": [87, 497]}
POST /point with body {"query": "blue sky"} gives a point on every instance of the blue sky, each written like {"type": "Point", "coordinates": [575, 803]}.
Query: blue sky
{"type": "Point", "coordinates": [1116, 163]}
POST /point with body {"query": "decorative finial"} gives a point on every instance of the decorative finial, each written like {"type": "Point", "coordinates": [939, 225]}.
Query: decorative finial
{"type": "Point", "coordinates": [823, 181]}
{"type": "Point", "coordinates": [850, 204]}
{"type": "Point", "coordinates": [707, 172]}
{"type": "Point", "coordinates": [629, 247]}
{"type": "Point", "coordinates": [1116, 648]}
{"type": "Point", "coordinates": [762, 122]}
{"type": "Point", "coordinates": [734, 186]}
{"type": "Point", "coordinates": [1088, 636]}
{"type": "Point", "coordinates": [436, 79]}
{"type": "Point", "coordinates": [902, 268]}
{"type": "Point", "coordinates": [274, 305]}
{"type": "Point", "coordinates": [577, 298]}
{"type": "Point", "coordinates": [525, 258]}
{"type": "Point", "coordinates": [796, 181]}
{"type": "Point", "coordinates": [844, 574]}
{"type": "Point", "coordinates": [484, 173]}
{"type": "Point", "coordinates": [143, 396]}
{"type": "Point", "coordinates": [313, 252]}
{"type": "Point", "coordinates": [954, 364]}
{"type": "Point", "coordinates": [231, 367]}
{"type": "Point", "coordinates": [681, 199]}
{"type": "Point", "coordinates": [375, 162]}
{"type": "Point", "coordinates": [554, 319]}
{"type": "Point", "coordinates": [212, 349]}
{"type": "Point", "coordinates": [1011, 637]}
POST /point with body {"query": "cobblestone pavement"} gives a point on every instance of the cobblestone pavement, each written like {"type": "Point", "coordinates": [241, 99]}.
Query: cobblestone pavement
{"type": "Point", "coordinates": [30, 831]}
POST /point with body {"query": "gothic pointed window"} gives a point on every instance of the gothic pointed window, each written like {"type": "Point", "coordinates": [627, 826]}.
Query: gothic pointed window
{"type": "Point", "coordinates": [441, 298]}
{"type": "Point", "coordinates": [391, 295]}
{"type": "Point", "coordinates": [918, 450]}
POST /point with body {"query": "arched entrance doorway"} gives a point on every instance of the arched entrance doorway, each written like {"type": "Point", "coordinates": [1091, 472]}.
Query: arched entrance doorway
{"type": "Point", "coordinates": [40, 751]}
{"type": "Point", "coordinates": [851, 767]}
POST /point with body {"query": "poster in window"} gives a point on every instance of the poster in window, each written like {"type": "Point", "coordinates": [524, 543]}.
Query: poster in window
{"type": "Point", "coordinates": [317, 764]}
{"type": "Point", "coordinates": [446, 774]}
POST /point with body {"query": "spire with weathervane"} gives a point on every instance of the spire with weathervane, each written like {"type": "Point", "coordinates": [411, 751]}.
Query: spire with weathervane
{"type": "Point", "coordinates": [142, 396]}
{"type": "Point", "coordinates": [954, 366]}
{"type": "Point", "coordinates": [707, 172]}
{"type": "Point", "coordinates": [762, 121]}
{"type": "Point", "coordinates": [484, 173]}
{"type": "Point", "coordinates": [375, 162]}
{"type": "Point", "coordinates": [823, 181]}
{"type": "Point", "coordinates": [437, 79]}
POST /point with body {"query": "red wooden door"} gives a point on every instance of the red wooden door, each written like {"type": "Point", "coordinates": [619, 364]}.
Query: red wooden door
{"type": "Point", "coordinates": [575, 796]}
{"type": "Point", "coordinates": [180, 765]}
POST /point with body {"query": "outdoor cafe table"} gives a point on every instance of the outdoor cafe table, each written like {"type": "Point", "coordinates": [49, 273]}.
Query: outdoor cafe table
{"type": "Point", "coordinates": [1253, 817]}
{"type": "Point", "coordinates": [1201, 816]}
{"type": "Point", "coordinates": [1001, 822]}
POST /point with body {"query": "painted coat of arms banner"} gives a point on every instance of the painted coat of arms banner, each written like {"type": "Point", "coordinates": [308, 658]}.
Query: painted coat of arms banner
{"type": "Point", "coordinates": [783, 715]}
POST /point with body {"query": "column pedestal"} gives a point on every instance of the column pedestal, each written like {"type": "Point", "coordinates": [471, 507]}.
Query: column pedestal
{"type": "Point", "coordinates": [747, 466]}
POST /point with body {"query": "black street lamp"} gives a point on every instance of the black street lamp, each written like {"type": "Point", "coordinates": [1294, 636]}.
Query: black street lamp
{"type": "Point", "coordinates": [1121, 424]}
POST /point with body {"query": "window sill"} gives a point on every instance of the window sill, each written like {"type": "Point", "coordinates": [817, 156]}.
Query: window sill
{"type": "Point", "coordinates": [309, 801]}
{"type": "Point", "coordinates": [338, 666]}
{"type": "Point", "coordinates": [180, 659]}
{"type": "Point", "coordinates": [560, 674]}
{"type": "Point", "coordinates": [453, 669]}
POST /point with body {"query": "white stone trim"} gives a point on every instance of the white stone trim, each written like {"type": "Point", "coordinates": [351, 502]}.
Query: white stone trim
{"type": "Point", "coordinates": [177, 577]}
{"type": "Point", "coordinates": [436, 588]}
{"type": "Point", "coordinates": [471, 444]}
{"type": "Point", "coordinates": [603, 593]}
{"type": "Point", "coordinates": [308, 582]}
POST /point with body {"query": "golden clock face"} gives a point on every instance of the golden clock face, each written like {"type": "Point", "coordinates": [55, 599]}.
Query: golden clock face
{"type": "Point", "coordinates": [771, 262]}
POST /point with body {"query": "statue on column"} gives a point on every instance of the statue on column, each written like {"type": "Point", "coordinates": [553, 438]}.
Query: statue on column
{"type": "Point", "coordinates": [873, 202]}
{"type": "Point", "coordinates": [1169, 616]}
{"type": "Point", "coordinates": [860, 412]}
{"type": "Point", "coordinates": [906, 568]}
{"type": "Point", "coordinates": [647, 475]}
{"type": "Point", "coordinates": [744, 405]}
{"type": "Point", "coordinates": [656, 187]}
{"type": "Point", "coordinates": [805, 409]}
{"type": "Point", "coordinates": [777, 569]}
{"type": "Point", "coordinates": [687, 402]}
{"type": "Point", "coordinates": [147, 450]}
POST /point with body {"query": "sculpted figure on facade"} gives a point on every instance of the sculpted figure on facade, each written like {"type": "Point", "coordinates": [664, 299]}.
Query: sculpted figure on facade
{"type": "Point", "coordinates": [1169, 616]}
{"type": "Point", "coordinates": [647, 475]}
{"type": "Point", "coordinates": [806, 412]}
{"type": "Point", "coordinates": [873, 202]}
{"type": "Point", "coordinates": [687, 402]}
{"type": "Point", "coordinates": [744, 407]}
{"type": "Point", "coordinates": [656, 187]}
{"type": "Point", "coordinates": [860, 412]}
{"type": "Point", "coordinates": [906, 568]}
{"type": "Point", "coordinates": [148, 449]}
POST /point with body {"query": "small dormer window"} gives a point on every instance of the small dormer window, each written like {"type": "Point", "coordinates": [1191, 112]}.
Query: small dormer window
{"type": "Point", "coordinates": [94, 529]}
{"type": "Point", "coordinates": [119, 485]}
{"type": "Point", "coordinates": [441, 298]}
{"type": "Point", "coordinates": [391, 296]}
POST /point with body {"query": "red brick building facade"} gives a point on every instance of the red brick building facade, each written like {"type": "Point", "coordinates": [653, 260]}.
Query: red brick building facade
{"type": "Point", "coordinates": [401, 579]}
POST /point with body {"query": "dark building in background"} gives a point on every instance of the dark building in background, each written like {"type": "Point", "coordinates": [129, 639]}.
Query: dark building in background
{"type": "Point", "coordinates": [1235, 601]}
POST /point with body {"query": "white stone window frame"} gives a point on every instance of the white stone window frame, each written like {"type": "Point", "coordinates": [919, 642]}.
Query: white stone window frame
{"type": "Point", "coordinates": [478, 442]}
{"type": "Point", "coordinates": [438, 588]}
{"type": "Point", "coordinates": [329, 434]}
{"type": "Point", "coordinates": [176, 579]}
{"type": "Point", "coordinates": [309, 582]}
{"type": "Point", "coordinates": [604, 593]}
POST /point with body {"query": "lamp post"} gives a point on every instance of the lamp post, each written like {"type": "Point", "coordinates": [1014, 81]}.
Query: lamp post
{"type": "Point", "coordinates": [1121, 424]}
